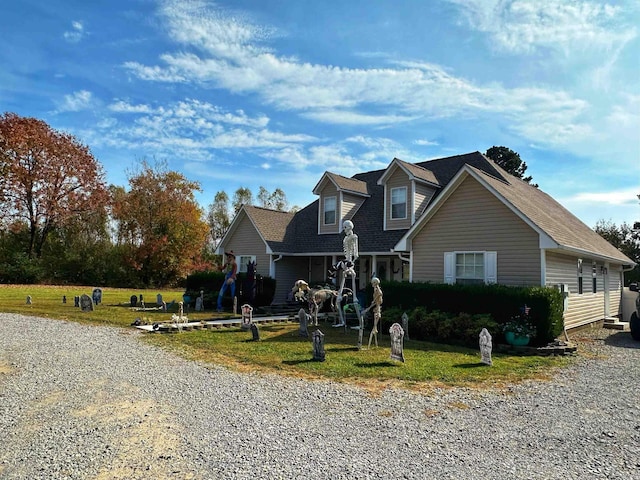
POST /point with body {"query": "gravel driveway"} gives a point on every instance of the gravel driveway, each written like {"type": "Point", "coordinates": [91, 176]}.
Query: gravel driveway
{"type": "Point", "coordinates": [84, 402]}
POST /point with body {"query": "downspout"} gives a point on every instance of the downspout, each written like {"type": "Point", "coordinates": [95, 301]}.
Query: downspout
{"type": "Point", "coordinates": [272, 266]}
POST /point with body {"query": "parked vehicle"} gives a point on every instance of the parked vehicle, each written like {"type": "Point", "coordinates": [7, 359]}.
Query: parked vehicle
{"type": "Point", "coordinates": [634, 322]}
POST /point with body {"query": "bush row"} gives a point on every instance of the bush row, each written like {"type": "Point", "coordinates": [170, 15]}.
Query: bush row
{"type": "Point", "coordinates": [498, 302]}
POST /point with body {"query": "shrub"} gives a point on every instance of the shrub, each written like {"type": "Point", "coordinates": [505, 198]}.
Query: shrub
{"type": "Point", "coordinates": [500, 302]}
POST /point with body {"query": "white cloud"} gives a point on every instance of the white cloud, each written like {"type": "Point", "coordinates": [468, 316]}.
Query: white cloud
{"type": "Point", "coordinates": [76, 33]}
{"type": "Point", "coordinates": [523, 26]}
{"type": "Point", "coordinates": [616, 197]}
{"type": "Point", "coordinates": [76, 101]}
{"type": "Point", "coordinates": [425, 143]}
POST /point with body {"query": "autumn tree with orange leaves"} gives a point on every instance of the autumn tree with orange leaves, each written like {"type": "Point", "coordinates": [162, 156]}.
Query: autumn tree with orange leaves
{"type": "Point", "coordinates": [159, 224]}
{"type": "Point", "coordinates": [47, 179]}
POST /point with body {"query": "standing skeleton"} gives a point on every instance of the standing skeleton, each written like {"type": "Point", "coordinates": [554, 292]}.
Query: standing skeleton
{"type": "Point", "coordinates": [350, 249]}
{"type": "Point", "coordinates": [377, 310]}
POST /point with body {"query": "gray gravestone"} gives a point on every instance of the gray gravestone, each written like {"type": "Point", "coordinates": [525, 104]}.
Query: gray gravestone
{"type": "Point", "coordinates": [76, 301]}
{"type": "Point", "coordinates": [405, 325]}
{"type": "Point", "coordinates": [199, 304]}
{"type": "Point", "coordinates": [28, 299]}
{"type": "Point", "coordinates": [255, 332]}
{"type": "Point", "coordinates": [141, 299]}
{"type": "Point", "coordinates": [164, 306]}
{"type": "Point", "coordinates": [397, 342]}
{"type": "Point", "coordinates": [159, 301]}
{"type": "Point", "coordinates": [247, 316]}
{"type": "Point", "coordinates": [318, 346]}
{"type": "Point", "coordinates": [303, 318]}
{"type": "Point", "coordinates": [97, 296]}
{"type": "Point", "coordinates": [485, 347]}
{"type": "Point", "coordinates": [86, 303]}
{"type": "Point", "coordinates": [133, 300]}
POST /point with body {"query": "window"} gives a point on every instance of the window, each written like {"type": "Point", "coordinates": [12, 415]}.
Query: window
{"type": "Point", "coordinates": [243, 260]}
{"type": "Point", "coordinates": [329, 210]}
{"type": "Point", "coordinates": [470, 267]}
{"type": "Point", "coordinates": [594, 280]}
{"type": "Point", "coordinates": [399, 203]}
{"type": "Point", "coordinates": [580, 285]}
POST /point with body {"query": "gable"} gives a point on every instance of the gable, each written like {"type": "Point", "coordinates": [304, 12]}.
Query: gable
{"type": "Point", "coordinates": [475, 220]}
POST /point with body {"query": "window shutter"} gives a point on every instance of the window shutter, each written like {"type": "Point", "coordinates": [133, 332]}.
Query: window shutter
{"type": "Point", "coordinates": [449, 268]}
{"type": "Point", "coordinates": [491, 267]}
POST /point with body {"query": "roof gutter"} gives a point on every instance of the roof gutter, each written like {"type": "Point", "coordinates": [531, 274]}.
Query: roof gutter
{"type": "Point", "coordinates": [589, 254]}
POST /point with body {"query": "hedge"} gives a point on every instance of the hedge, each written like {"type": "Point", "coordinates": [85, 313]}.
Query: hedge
{"type": "Point", "coordinates": [500, 302]}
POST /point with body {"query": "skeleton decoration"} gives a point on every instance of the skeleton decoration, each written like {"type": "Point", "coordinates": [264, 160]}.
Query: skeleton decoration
{"type": "Point", "coordinates": [347, 269]}
{"type": "Point", "coordinates": [315, 297]}
{"type": "Point", "coordinates": [377, 310]}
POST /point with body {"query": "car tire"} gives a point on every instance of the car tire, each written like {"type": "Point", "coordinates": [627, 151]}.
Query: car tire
{"type": "Point", "coordinates": [634, 325]}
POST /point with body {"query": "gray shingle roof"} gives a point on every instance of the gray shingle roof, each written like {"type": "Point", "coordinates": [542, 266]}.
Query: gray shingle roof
{"type": "Point", "coordinates": [551, 217]}
{"type": "Point", "coordinates": [287, 233]}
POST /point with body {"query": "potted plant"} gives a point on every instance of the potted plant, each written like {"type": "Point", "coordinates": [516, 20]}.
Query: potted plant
{"type": "Point", "coordinates": [519, 330]}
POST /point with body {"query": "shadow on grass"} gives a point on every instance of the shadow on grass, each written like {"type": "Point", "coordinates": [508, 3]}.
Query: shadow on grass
{"type": "Point", "coordinates": [470, 365]}
{"type": "Point", "coordinates": [377, 365]}
{"type": "Point", "coordinates": [299, 362]}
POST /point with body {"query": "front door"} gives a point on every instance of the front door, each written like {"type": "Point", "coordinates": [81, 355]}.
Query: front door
{"type": "Point", "coordinates": [382, 269]}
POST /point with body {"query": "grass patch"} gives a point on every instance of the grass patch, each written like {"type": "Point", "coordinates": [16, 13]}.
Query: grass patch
{"type": "Point", "coordinates": [281, 350]}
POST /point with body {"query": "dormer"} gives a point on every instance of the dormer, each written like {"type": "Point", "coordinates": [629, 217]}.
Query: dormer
{"type": "Point", "coordinates": [408, 189]}
{"type": "Point", "coordinates": [340, 199]}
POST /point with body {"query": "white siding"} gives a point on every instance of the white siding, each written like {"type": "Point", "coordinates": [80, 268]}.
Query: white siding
{"type": "Point", "coordinates": [587, 307]}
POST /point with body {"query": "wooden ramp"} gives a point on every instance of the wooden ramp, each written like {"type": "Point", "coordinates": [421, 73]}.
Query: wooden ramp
{"type": "Point", "coordinates": [169, 326]}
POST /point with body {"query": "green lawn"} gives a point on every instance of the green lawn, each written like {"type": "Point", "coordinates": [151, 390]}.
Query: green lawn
{"type": "Point", "coordinates": [281, 350]}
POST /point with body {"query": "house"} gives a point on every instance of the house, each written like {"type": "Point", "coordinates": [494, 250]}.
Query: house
{"type": "Point", "coordinates": [459, 219]}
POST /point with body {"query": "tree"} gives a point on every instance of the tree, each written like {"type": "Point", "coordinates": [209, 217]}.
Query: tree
{"type": "Point", "coordinates": [243, 196]}
{"type": "Point", "coordinates": [275, 201]}
{"type": "Point", "coordinates": [510, 161]}
{"type": "Point", "coordinates": [47, 178]}
{"type": "Point", "coordinates": [160, 224]}
{"type": "Point", "coordinates": [624, 238]}
{"type": "Point", "coordinates": [218, 216]}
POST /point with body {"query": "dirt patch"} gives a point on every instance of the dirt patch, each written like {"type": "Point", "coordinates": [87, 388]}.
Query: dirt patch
{"type": "Point", "coordinates": [5, 368]}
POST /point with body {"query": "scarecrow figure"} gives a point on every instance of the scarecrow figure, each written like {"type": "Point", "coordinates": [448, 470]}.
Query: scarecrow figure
{"type": "Point", "coordinates": [231, 268]}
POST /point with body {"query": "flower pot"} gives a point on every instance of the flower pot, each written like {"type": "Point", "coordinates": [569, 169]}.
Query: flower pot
{"type": "Point", "coordinates": [516, 340]}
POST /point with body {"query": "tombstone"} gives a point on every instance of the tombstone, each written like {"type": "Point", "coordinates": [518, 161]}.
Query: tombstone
{"type": "Point", "coordinates": [28, 299]}
{"type": "Point", "coordinates": [141, 299]}
{"type": "Point", "coordinates": [134, 300]}
{"type": "Point", "coordinates": [159, 299]}
{"type": "Point", "coordinates": [97, 296]}
{"type": "Point", "coordinates": [64, 299]}
{"type": "Point", "coordinates": [164, 307]}
{"type": "Point", "coordinates": [485, 347]}
{"type": "Point", "coordinates": [397, 342]}
{"type": "Point", "coordinates": [405, 325]}
{"type": "Point", "coordinates": [247, 316]}
{"type": "Point", "coordinates": [199, 304]}
{"type": "Point", "coordinates": [235, 305]}
{"type": "Point", "coordinates": [142, 304]}
{"type": "Point", "coordinates": [255, 332]}
{"type": "Point", "coordinates": [86, 303]}
{"type": "Point", "coordinates": [76, 301]}
{"type": "Point", "coordinates": [318, 346]}
{"type": "Point", "coordinates": [303, 318]}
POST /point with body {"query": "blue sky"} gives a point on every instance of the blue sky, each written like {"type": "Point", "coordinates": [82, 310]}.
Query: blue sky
{"type": "Point", "coordinates": [252, 93]}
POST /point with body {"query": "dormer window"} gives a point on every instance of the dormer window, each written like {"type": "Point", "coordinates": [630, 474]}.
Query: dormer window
{"type": "Point", "coordinates": [329, 210]}
{"type": "Point", "coordinates": [399, 203]}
